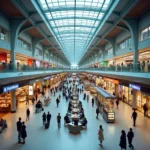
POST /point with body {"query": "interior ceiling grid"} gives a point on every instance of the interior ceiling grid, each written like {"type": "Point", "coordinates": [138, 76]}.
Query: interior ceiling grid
{"type": "Point", "coordinates": [74, 23]}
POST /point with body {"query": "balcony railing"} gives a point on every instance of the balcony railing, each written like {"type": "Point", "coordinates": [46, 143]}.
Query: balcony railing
{"type": "Point", "coordinates": [117, 68]}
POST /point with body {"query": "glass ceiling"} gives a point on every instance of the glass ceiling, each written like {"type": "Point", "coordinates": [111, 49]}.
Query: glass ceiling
{"type": "Point", "coordinates": [74, 23]}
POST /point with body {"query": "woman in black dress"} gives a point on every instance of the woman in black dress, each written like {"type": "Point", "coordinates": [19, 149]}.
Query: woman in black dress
{"type": "Point", "coordinates": [23, 132]}
{"type": "Point", "coordinates": [44, 118]}
{"type": "Point", "coordinates": [123, 140]}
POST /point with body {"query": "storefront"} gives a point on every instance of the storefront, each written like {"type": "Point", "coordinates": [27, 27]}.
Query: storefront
{"type": "Point", "coordinates": [100, 82]}
{"type": "Point", "coordinates": [143, 98]}
{"type": "Point", "coordinates": [142, 95]}
{"type": "Point", "coordinates": [111, 85]}
{"type": "Point", "coordinates": [6, 98]}
{"type": "Point", "coordinates": [126, 92]}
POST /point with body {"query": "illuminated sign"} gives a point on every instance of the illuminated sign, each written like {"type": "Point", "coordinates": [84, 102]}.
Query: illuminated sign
{"type": "Point", "coordinates": [30, 90]}
{"type": "Point", "coordinates": [111, 80]}
{"type": "Point", "coordinates": [46, 78]}
{"type": "Point", "coordinates": [135, 87]}
{"type": "Point", "coordinates": [11, 87]}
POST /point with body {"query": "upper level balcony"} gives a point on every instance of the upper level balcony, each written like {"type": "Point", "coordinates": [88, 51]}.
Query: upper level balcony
{"type": "Point", "coordinates": [132, 74]}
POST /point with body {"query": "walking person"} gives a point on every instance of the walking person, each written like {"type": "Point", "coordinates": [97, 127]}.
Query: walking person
{"type": "Point", "coordinates": [66, 98]}
{"type": "Point", "coordinates": [130, 136]}
{"type": "Point", "coordinates": [123, 140]}
{"type": "Point", "coordinates": [19, 128]}
{"type": "Point", "coordinates": [59, 120]}
{"type": "Point", "coordinates": [59, 96]}
{"type": "Point", "coordinates": [117, 102]}
{"type": "Point", "coordinates": [27, 100]}
{"type": "Point", "coordinates": [44, 118]}
{"type": "Point", "coordinates": [84, 97]}
{"type": "Point", "coordinates": [48, 118]}
{"type": "Point", "coordinates": [145, 108]}
{"type": "Point", "coordinates": [28, 114]}
{"type": "Point", "coordinates": [57, 102]}
{"type": "Point", "coordinates": [134, 116]}
{"type": "Point", "coordinates": [97, 112]}
{"type": "Point", "coordinates": [23, 132]}
{"type": "Point", "coordinates": [123, 98]}
{"type": "Point", "coordinates": [100, 135]}
{"type": "Point", "coordinates": [54, 92]}
{"type": "Point", "coordinates": [87, 98]}
{"type": "Point", "coordinates": [92, 102]}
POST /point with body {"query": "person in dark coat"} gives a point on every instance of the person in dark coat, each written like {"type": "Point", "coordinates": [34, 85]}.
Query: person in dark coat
{"type": "Point", "coordinates": [123, 140]}
{"type": "Point", "coordinates": [66, 98]}
{"type": "Point", "coordinates": [57, 101]}
{"type": "Point", "coordinates": [145, 108]}
{"type": "Point", "coordinates": [84, 97]}
{"type": "Point", "coordinates": [48, 118]}
{"type": "Point", "coordinates": [59, 120]}
{"type": "Point", "coordinates": [117, 103]}
{"type": "Point", "coordinates": [97, 112]}
{"type": "Point", "coordinates": [130, 136]}
{"type": "Point", "coordinates": [92, 102]}
{"type": "Point", "coordinates": [19, 128]}
{"type": "Point", "coordinates": [44, 118]}
{"type": "Point", "coordinates": [134, 116]}
{"type": "Point", "coordinates": [23, 132]}
{"type": "Point", "coordinates": [28, 114]}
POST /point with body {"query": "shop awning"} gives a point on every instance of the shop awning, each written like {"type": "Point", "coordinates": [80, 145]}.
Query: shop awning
{"type": "Point", "coordinates": [104, 93]}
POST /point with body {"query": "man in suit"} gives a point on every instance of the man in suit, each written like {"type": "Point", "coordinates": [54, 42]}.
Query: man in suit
{"type": "Point", "coordinates": [19, 128]}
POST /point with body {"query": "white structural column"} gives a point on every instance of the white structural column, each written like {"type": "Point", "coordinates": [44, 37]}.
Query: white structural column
{"type": "Point", "coordinates": [117, 89]}
{"type": "Point", "coordinates": [134, 99]}
{"type": "Point", "coordinates": [13, 101]}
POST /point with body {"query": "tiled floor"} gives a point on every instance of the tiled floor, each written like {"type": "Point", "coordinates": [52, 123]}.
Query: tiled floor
{"type": "Point", "coordinates": [54, 139]}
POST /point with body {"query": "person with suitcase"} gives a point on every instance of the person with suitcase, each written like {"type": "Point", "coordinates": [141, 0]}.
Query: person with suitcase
{"type": "Point", "coordinates": [59, 120]}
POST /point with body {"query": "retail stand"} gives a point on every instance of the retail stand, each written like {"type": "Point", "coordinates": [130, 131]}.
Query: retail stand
{"type": "Point", "coordinates": [107, 104]}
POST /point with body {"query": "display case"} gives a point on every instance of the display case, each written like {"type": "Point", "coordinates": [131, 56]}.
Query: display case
{"type": "Point", "coordinates": [108, 115]}
{"type": "Point", "coordinates": [4, 107]}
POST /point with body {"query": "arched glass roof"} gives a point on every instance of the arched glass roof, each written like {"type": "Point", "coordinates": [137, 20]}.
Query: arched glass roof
{"type": "Point", "coordinates": [74, 23]}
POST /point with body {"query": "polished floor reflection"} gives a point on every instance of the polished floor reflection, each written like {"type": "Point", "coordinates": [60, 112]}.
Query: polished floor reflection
{"type": "Point", "coordinates": [54, 139]}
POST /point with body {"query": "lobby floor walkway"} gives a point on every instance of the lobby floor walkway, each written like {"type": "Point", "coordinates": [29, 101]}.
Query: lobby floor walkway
{"type": "Point", "coordinates": [54, 139]}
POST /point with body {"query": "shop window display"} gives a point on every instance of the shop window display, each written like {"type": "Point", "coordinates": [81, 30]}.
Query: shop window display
{"type": "Point", "coordinates": [142, 99]}
{"type": "Point", "coordinates": [110, 87]}
{"type": "Point", "coordinates": [130, 96]}
{"type": "Point", "coordinates": [5, 102]}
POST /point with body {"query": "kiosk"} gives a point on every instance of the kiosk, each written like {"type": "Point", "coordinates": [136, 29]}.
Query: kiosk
{"type": "Point", "coordinates": [107, 101]}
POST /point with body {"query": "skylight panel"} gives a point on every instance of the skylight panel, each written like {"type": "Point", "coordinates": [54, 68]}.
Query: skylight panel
{"type": "Point", "coordinates": [74, 27]}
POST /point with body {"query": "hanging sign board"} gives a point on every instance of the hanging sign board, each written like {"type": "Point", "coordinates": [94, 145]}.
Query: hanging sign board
{"type": "Point", "coordinates": [135, 87]}
{"type": "Point", "coordinates": [10, 87]}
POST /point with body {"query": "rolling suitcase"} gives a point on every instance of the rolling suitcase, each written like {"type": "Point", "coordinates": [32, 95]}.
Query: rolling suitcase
{"type": "Point", "coordinates": [46, 125]}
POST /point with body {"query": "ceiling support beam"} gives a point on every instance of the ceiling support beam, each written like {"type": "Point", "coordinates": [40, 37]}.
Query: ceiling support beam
{"type": "Point", "coordinates": [25, 28]}
{"type": "Point", "coordinates": [123, 27]}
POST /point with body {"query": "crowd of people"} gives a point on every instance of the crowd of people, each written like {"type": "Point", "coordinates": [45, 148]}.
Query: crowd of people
{"type": "Point", "coordinates": [143, 66]}
{"type": "Point", "coordinates": [64, 91]}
